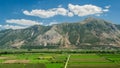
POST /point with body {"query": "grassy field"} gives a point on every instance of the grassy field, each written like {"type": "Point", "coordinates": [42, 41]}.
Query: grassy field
{"type": "Point", "coordinates": [54, 60]}
{"type": "Point", "coordinates": [33, 59]}
{"type": "Point", "coordinates": [94, 61]}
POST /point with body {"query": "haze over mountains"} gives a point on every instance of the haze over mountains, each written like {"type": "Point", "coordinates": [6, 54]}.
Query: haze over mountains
{"type": "Point", "coordinates": [91, 33]}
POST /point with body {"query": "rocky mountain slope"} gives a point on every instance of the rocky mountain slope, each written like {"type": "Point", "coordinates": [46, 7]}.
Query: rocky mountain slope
{"type": "Point", "coordinates": [90, 33]}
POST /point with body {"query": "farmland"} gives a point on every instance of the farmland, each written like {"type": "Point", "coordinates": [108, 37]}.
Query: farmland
{"type": "Point", "coordinates": [31, 60]}
{"type": "Point", "coordinates": [92, 61]}
{"type": "Point", "coordinates": [60, 60]}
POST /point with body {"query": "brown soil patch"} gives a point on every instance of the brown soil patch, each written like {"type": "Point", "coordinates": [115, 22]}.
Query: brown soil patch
{"type": "Point", "coordinates": [16, 61]}
{"type": "Point", "coordinates": [2, 57]}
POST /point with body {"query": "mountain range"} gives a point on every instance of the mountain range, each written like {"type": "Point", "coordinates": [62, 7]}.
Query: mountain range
{"type": "Point", "coordinates": [91, 33]}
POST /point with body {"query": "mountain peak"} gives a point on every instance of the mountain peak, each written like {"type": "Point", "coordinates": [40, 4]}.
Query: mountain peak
{"type": "Point", "coordinates": [91, 18]}
{"type": "Point", "coordinates": [94, 20]}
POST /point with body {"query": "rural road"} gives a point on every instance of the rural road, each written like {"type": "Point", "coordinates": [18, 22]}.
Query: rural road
{"type": "Point", "coordinates": [67, 61]}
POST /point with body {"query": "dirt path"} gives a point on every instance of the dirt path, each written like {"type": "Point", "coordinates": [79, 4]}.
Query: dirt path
{"type": "Point", "coordinates": [67, 61]}
{"type": "Point", "coordinates": [16, 61]}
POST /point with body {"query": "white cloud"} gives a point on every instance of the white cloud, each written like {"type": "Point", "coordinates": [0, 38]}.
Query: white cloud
{"type": "Point", "coordinates": [40, 13]}
{"type": "Point", "coordinates": [85, 10]}
{"type": "Point", "coordinates": [12, 27]}
{"type": "Point", "coordinates": [18, 24]}
{"type": "Point", "coordinates": [51, 23]}
{"type": "Point", "coordinates": [46, 13]}
{"type": "Point", "coordinates": [107, 7]}
{"type": "Point", "coordinates": [70, 14]}
{"type": "Point", "coordinates": [61, 11]}
{"type": "Point", "coordinates": [23, 22]}
{"type": "Point", "coordinates": [79, 10]}
{"type": "Point", "coordinates": [106, 10]}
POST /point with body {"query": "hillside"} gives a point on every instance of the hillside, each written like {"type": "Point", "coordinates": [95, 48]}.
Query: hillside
{"type": "Point", "coordinates": [90, 33]}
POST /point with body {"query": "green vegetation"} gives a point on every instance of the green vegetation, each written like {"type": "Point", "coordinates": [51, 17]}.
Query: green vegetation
{"type": "Point", "coordinates": [54, 65]}
{"type": "Point", "coordinates": [36, 60]}
{"type": "Point", "coordinates": [56, 59]}
{"type": "Point", "coordinates": [22, 66]}
{"type": "Point", "coordinates": [91, 61]}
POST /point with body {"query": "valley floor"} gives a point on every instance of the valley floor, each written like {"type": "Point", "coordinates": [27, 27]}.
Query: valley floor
{"type": "Point", "coordinates": [57, 60]}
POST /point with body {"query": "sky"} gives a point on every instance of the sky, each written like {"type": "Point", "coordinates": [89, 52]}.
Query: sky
{"type": "Point", "coordinates": [20, 14]}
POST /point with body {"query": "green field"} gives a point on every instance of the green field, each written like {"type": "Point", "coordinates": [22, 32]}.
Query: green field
{"type": "Point", "coordinates": [37, 60]}
{"type": "Point", "coordinates": [94, 61]}
{"type": "Point", "coordinates": [56, 60]}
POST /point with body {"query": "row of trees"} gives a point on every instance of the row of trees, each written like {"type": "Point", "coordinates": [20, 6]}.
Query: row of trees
{"type": "Point", "coordinates": [61, 52]}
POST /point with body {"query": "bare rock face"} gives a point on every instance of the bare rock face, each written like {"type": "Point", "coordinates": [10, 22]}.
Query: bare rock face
{"type": "Point", "coordinates": [17, 43]}
{"type": "Point", "coordinates": [50, 37]}
{"type": "Point", "coordinates": [65, 43]}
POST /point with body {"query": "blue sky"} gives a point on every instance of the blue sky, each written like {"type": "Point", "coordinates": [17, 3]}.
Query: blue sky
{"type": "Point", "coordinates": [17, 14]}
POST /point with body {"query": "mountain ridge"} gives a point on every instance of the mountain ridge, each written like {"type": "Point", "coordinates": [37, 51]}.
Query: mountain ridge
{"type": "Point", "coordinates": [91, 33]}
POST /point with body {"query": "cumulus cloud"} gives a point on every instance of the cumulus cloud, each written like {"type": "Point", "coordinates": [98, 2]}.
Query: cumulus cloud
{"type": "Point", "coordinates": [85, 10]}
{"type": "Point", "coordinates": [40, 13]}
{"type": "Point", "coordinates": [46, 13]}
{"type": "Point", "coordinates": [23, 22]}
{"type": "Point", "coordinates": [18, 24]}
{"type": "Point", "coordinates": [79, 10]}
{"type": "Point", "coordinates": [70, 14]}
{"type": "Point", "coordinates": [12, 27]}
{"type": "Point", "coordinates": [61, 11]}
{"type": "Point", "coordinates": [72, 10]}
